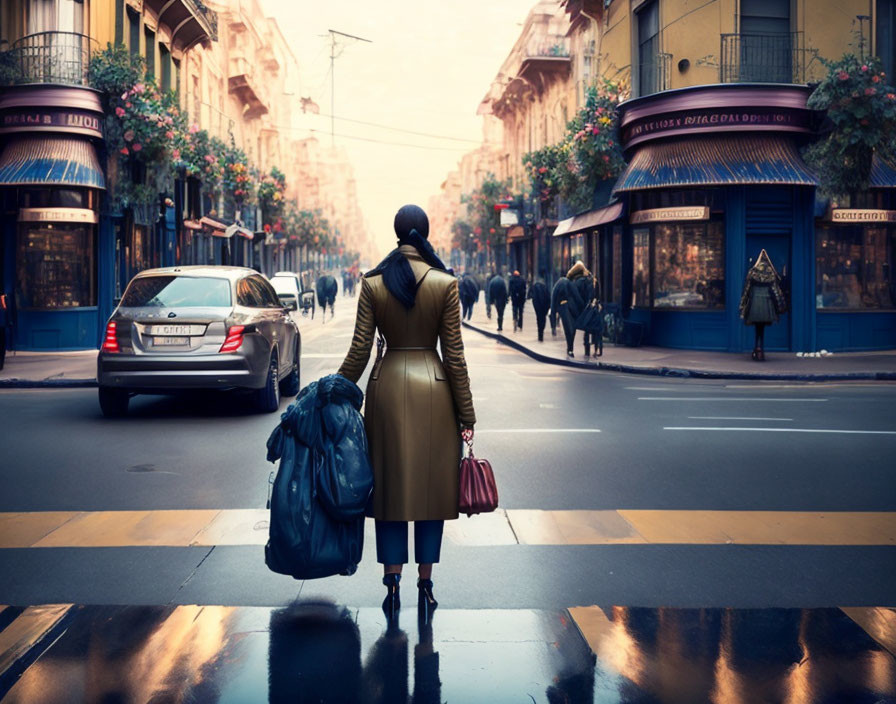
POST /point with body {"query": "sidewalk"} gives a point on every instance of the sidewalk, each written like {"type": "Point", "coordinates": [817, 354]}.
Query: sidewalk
{"type": "Point", "coordinates": [49, 369]}
{"type": "Point", "coordinates": [664, 361]}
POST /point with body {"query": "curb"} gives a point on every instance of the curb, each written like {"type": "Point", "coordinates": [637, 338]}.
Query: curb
{"type": "Point", "coordinates": [676, 372]}
{"type": "Point", "coordinates": [47, 383]}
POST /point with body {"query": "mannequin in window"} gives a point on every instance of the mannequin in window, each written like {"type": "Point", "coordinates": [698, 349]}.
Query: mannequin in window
{"type": "Point", "coordinates": [762, 301]}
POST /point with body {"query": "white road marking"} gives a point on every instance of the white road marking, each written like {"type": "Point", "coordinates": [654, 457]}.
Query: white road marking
{"type": "Point", "coordinates": [730, 398]}
{"type": "Point", "coordinates": [546, 405]}
{"type": "Point", "coordinates": [538, 430]}
{"type": "Point", "coordinates": [795, 430]}
{"type": "Point", "coordinates": [732, 418]}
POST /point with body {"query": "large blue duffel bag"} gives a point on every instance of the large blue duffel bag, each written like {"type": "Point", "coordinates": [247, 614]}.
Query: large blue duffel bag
{"type": "Point", "coordinates": [323, 483]}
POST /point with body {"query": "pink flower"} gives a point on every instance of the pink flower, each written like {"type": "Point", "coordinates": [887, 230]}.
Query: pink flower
{"type": "Point", "coordinates": [891, 96]}
{"type": "Point", "coordinates": [606, 158]}
{"type": "Point", "coordinates": [129, 135]}
{"type": "Point", "coordinates": [120, 112]}
{"type": "Point", "coordinates": [124, 96]}
{"type": "Point", "coordinates": [843, 76]}
{"type": "Point", "coordinates": [168, 120]}
{"type": "Point", "coordinates": [139, 88]}
{"type": "Point", "coordinates": [124, 150]}
{"type": "Point", "coordinates": [194, 128]}
{"type": "Point", "coordinates": [210, 159]}
{"type": "Point", "coordinates": [875, 79]}
{"type": "Point", "coordinates": [169, 134]}
{"type": "Point", "coordinates": [136, 146]}
{"type": "Point", "coordinates": [864, 67]}
{"type": "Point", "coordinates": [870, 91]}
{"type": "Point", "coordinates": [175, 153]}
{"type": "Point", "coordinates": [128, 105]}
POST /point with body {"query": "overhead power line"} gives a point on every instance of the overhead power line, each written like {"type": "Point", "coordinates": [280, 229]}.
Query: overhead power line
{"type": "Point", "coordinates": [401, 129]}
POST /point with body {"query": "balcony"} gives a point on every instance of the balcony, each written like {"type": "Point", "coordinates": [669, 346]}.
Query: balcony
{"type": "Point", "coordinates": [191, 21]}
{"type": "Point", "coordinates": [49, 57]}
{"type": "Point", "coordinates": [653, 77]}
{"type": "Point", "coordinates": [546, 55]}
{"type": "Point", "coordinates": [243, 83]}
{"type": "Point", "coordinates": [763, 58]}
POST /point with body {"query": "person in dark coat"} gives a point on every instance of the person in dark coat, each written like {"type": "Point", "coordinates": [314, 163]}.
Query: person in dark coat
{"type": "Point", "coordinates": [326, 294]}
{"type": "Point", "coordinates": [488, 297]}
{"type": "Point", "coordinates": [541, 302]}
{"type": "Point", "coordinates": [567, 303]}
{"type": "Point", "coordinates": [589, 294]}
{"type": "Point", "coordinates": [469, 294]}
{"type": "Point", "coordinates": [497, 293]}
{"type": "Point", "coordinates": [762, 300]}
{"type": "Point", "coordinates": [517, 288]}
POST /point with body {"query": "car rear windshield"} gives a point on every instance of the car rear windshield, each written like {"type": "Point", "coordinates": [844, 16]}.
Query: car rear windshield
{"type": "Point", "coordinates": [284, 284]}
{"type": "Point", "coordinates": [177, 292]}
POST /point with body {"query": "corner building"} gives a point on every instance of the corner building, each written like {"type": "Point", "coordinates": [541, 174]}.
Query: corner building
{"type": "Point", "coordinates": [712, 137]}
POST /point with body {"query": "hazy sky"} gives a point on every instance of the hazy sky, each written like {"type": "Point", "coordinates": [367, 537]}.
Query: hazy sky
{"type": "Point", "coordinates": [428, 66]}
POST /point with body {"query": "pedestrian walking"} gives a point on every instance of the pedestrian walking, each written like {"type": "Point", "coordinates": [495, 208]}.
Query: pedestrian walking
{"type": "Point", "coordinates": [762, 301]}
{"type": "Point", "coordinates": [469, 294]}
{"type": "Point", "coordinates": [488, 298]}
{"type": "Point", "coordinates": [497, 293]}
{"type": "Point", "coordinates": [418, 404]}
{"type": "Point", "coordinates": [541, 302]}
{"type": "Point", "coordinates": [568, 303]}
{"type": "Point", "coordinates": [517, 286]}
{"type": "Point", "coordinates": [587, 319]}
{"type": "Point", "coordinates": [326, 294]}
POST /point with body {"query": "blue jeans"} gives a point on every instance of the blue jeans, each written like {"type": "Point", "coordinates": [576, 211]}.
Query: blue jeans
{"type": "Point", "coordinates": [392, 541]}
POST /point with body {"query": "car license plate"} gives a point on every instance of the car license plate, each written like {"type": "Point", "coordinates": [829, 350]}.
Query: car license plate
{"type": "Point", "coordinates": [169, 330]}
{"type": "Point", "coordinates": [159, 340]}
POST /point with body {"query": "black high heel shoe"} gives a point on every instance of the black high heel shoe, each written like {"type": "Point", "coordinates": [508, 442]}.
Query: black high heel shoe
{"type": "Point", "coordinates": [392, 602]}
{"type": "Point", "coordinates": [425, 600]}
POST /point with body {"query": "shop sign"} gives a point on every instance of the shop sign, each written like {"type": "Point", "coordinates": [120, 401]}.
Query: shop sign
{"type": "Point", "coordinates": [510, 217]}
{"type": "Point", "coordinates": [83, 215]}
{"type": "Point", "coordinates": [862, 215]}
{"type": "Point", "coordinates": [663, 214]}
{"type": "Point", "coordinates": [40, 119]}
{"type": "Point", "coordinates": [691, 120]}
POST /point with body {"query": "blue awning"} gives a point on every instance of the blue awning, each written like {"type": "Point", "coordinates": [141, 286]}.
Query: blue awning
{"type": "Point", "coordinates": [716, 161]}
{"type": "Point", "coordinates": [50, 161]}
{"type": "Point", "coordinates": [883, 172]}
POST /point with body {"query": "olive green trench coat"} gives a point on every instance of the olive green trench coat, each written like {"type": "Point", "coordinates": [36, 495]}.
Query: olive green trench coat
{"type": "Point", "coordinates": [415, 400]}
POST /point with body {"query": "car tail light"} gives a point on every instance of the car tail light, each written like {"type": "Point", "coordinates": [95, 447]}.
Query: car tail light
{"type": "Point", "coordinates": [234, 339]}
{"type": "Point", "coordinates": [110, 343]}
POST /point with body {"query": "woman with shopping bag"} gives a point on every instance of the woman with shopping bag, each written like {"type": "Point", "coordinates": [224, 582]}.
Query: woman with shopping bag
{"type": "Point", "coordinates": [418, 404]}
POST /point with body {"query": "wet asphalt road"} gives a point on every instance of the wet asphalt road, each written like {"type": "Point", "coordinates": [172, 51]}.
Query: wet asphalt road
{"type": "Point", "coordinates": [557, 438]}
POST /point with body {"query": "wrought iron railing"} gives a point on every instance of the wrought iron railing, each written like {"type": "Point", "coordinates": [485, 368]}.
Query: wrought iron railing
{"type": "Point", "coordinates": [53, 57]}
{"type": "Point", "coordinates": [552, 46]}
{"type": "Point", "coordinates": [763, 58]}
{"type": "Point", "coordinates": [653, 77]}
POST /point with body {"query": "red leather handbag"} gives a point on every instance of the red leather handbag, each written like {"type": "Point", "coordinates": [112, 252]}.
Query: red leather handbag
{"type": "Point", "coordinates": [478, 491]}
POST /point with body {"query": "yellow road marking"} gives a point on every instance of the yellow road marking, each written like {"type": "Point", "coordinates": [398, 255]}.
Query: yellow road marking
{"type": "Point", "coordinates": [182, 528]}
{"type": "Point", "coordinates": [26, 630]}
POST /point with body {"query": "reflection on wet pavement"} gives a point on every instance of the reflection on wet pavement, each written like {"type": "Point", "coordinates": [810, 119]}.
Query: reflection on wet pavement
{"type": "Point", "coordinates": [322, 652]}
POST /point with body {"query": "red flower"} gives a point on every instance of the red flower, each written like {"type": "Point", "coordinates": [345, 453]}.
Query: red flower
{"type": "Point", "coordinates": [491, 230]}
{"type": "Point", "coordinates": [843, 76]}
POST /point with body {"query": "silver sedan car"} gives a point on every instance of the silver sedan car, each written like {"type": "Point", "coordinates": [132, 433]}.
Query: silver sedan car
{"type": "Point", "coordinates": [199, 327]}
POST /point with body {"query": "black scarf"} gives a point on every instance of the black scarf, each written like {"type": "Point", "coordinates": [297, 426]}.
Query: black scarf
{"type": "Point", "coordinates": [398, 276]}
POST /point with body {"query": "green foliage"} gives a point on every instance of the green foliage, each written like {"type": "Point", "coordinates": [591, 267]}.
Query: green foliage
{"type": "Point", "coordinates": [588, 153]}
{"type": "Point", "coordinates": [114, 70]}
{"type": "Point", "coordinates": [861, 110]}
{"type": "Point", "coordinates": [271, 192]}
{"type": "Point", "coordinates": [10, 73]}
{"type": "Point", "coordinates": [481, 213]}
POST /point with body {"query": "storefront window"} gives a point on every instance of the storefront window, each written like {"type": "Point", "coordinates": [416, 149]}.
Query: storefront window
{"type": "Point", "coordinates": [854, 267]}
{"type": "Point", "coordinates": [56, 265]}
{"type": "Point", "coordinates": [689, 266]}
{"type": "Point", "coordinates": [576, 249]}
{"type": "Point", "coordinates": [641, 280]}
